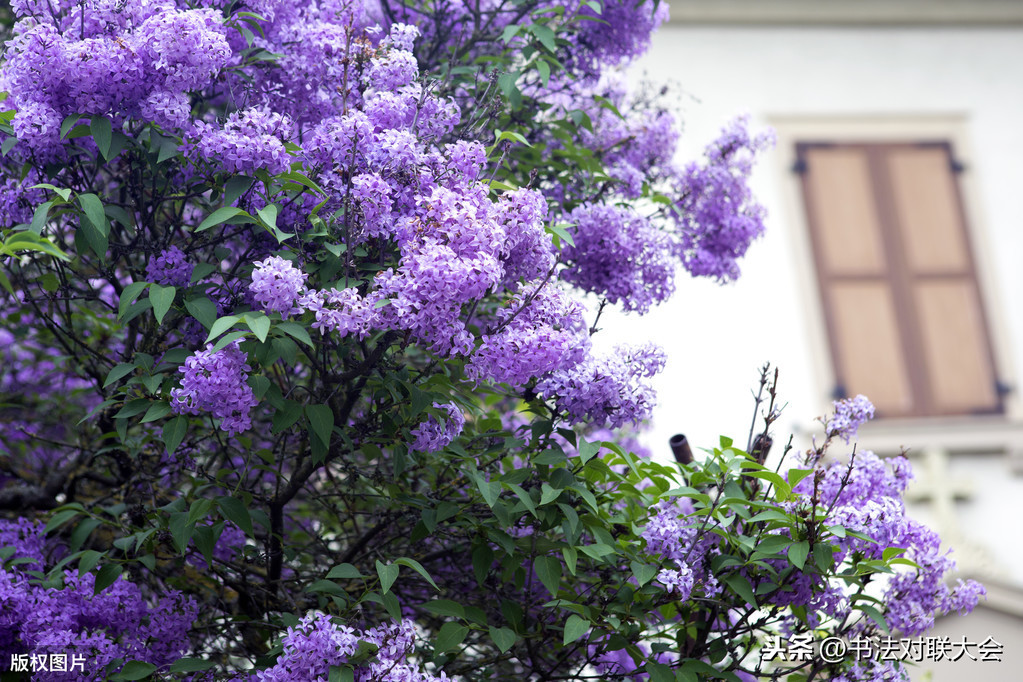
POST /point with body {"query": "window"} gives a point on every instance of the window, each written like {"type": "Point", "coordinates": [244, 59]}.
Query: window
{"type": "Point", "coordinates": [903, 311]}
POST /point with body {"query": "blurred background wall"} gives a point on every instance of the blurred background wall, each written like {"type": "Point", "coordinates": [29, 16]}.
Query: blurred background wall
{"type": "Point", "coordinates": [893, 260]}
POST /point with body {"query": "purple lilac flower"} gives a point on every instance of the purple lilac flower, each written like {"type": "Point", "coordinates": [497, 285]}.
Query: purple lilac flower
{"type": "Point", "coordinates": [718, 217]}
{"type": "Point", "coordinates": [869, 498]}
{"type": "Point", "coordinates": [277, 285]}
{"type": "Point", "coordinates": [186, 48]}
{"type": "Point", "coordinates": [431, 436]}
{"type": "Point", "coordinates": [310, 648]}
{"type": "Point", "coordinates": [317, 643]}
{"type": "Point", "coordinates": [874, 671]}
{"type": "Point", "coordinates": [342, 311]}
{"type": "Point", "coordinates": [619, 31]}
{"type": "Point", "coordinates": [115, 623]}
{"type": "Point", "coordinates": [619, 255]}
{"type": "Point", "coordinates": [215, 382]}
{"type": "Point", "coordinates": [541, 330]}
{"type": "Point", "coordinates": [677, 581]}
{"type": "Point", "coordinates": [607, 389]}
{"type": "Point", "coordinates": [528, 253]}
{"type": "Point", "coordinates": [850, 415]}
{"type": "Point", "coordinates": [171, 268]}
{"type": "Point", "coordinates": [249, 140]}
{"type": "Point", "coordinates": [373, 196]}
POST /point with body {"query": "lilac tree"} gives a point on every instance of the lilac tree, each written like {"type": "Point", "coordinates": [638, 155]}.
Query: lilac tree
{"type": "Point", "coordinates": [298, 381]}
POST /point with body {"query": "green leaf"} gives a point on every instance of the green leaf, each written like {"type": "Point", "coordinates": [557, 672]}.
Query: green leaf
{"type": "Point", "coordinates": [575, 627]}
{"type": "Point", "coordinates": [168, 147]}
{"type": "Point", "coordinates": [597, 551]}
{"type": "Point", "coordinates": [286, 415]}
{"type": "Point", "coordinates": [387, 573]}
{"type": "Point", "coordinates": [510, 32]}
{"type": "Point", "coordinates": [88, 561]}
{"type": "Point", "coordinates": [445, 607]}
{"type": "Point", "coordinates": [798, 552]}
{"type": "Point", "coordinates": [796, 475]}
{"type": "Point", "coordinates": [189, 665]}
{"type": "Point", "coordinates": [93, 208]}
{"type": "Point", "coordinates": [42, 212]}
{"type": "Point", "coordinates": [527, 499]}
{"type": "Point", "coordinates": [118, 372]}
{"type": "Point", "coordinates": [134, 670]}
{"type": "Point", "coordinates": [296, 331]}
{"type": "Point", "coordinates": [742, 588]}
{"type": "Point", "coordinates": [344, 572]}
{"type": "Point", "coordinates": [548, 569]}
{"type": "Point", "coordinates": [268, 214]}
{"type": "Point", "coordinates": [102, 134]}
{"type": "Point", "coordinates": [228, 339]}
{"type": "Point", "coordinates": [157, 410]}
{"type": "Point", "coordinates": [68, 124]}
{"type": "Point", "coordinates": [203, 310]}
{"type": "Point", "coordinates": [174, 432]}
{"type": "Point", "coordinates": [489, 489]}
{"type": "Point", "coordinates": [162, 298]}
{"type": "Point", "coordinates": [219, 216]}
{"type": "Point", "coordinates": [450, 636]}
{"type": "Point", "coordinates": [321, 422]}
{"type": "Point", "coordinates": [544, 69]}
{"type": "Point", "coordinates": [571, 555]}
{"type": "Point", "coordinates": [548, 494]}
{"type": "Point", "coordinates": [128, 296]}
{"type": "Point", "coordinates": [235, 511]}
{"type": "Point", "coordinates": [81, 533]}
{"type": "Point", "coordinates": [236, 186]}
{"type": "Point", "coordinates": [60, 518]}
{"type": "Point", "coordinates": [504, 638]}
{"type": "Point", "coordinates": [644, 572]}
{"type": "Point", "coordinates": [482, 559]}
{"type": "Point", "coordinates": [205, 541]}
{"type": "Point", "coordinates": [545, 34]}
{"type": "Point", "coordinates": [418, 568]}
{"type": "Point", "coordinates": [259, 324]}
{"type": "Point", "coordinates": [659, 672]}
{"type": "Point", "coordinates": [221, 326]}
{"type": "Point", "coordinates": [180, 530]}
{"type": "Point", "coordinates": [106, 577]}
{"type": "Point", "coordinates": [874, 615]}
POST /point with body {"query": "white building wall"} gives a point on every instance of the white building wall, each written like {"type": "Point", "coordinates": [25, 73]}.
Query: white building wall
{"type": "Point", "coordinates": [717, 337]}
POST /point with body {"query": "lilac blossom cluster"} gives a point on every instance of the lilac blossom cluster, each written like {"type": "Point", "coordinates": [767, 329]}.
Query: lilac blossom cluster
{"type": "Point", "coordinates": [216, 382]}
{"type": "Point", "coordinates": [341, 311]}
{"type": "Point", "coordinates": [671, 535]}
{"type": "Point", "coordinates": [458, 267]}
{"type": "Point", "coordinates": [850, 415]}
{"type": "Point", "coordinates": [277, 285]}
{"type": "Point", "coordinates": [170, 268]}
{"type": "Point", "coordinates": [317, 643]}
{"type": "Point", "coordinates": [866, 496]}
{"type": "Point", "coordinates": [431, 435]}
{"type": "Point", "coordinates": [538, 331]}
{"type": "Point", "coordinates": [620, 255]}
{"type": "Point", "coordinates": [607, 389]}
{"type": "Point", "coordinates": [115, 623]}
{"type": "Point", "coordinates": [248, 141]}
{"type": "Point", "coordinates": [109, 59]}
{"type": "Point", "coordinates": [717, 215]}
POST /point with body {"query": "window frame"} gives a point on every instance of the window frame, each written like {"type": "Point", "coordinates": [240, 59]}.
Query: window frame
{"type": "Point", "coordinates": [897, 274]}
{"type": "Point", "coordinates": [950, 129]}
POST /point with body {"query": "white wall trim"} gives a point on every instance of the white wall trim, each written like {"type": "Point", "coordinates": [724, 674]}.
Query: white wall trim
{"type": "Point", "coordinates": [992, 13]}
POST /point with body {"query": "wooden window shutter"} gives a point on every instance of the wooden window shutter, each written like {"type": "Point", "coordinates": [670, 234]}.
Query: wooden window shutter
{"type": "Point", "coordinates": [898, 284]}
